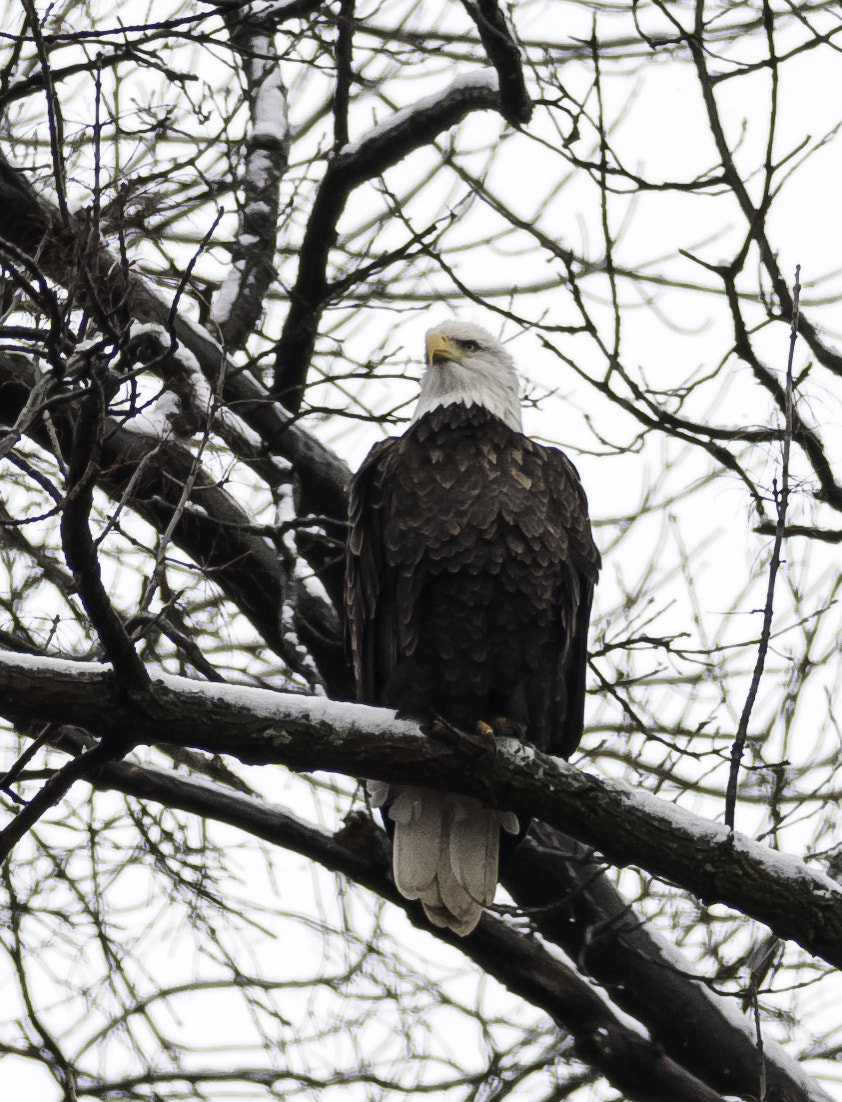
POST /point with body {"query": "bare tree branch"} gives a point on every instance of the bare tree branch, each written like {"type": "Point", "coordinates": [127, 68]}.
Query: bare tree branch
{"type": "Point", "coordinates": [384, 146]}
{"type": "Point", "coordinates": [723, 1050]}
{"type": "Point", "coordinates": [239, 303]}
{"type": "Point", "coordinates": [497, 38]}
{"type": "Point", "coordinates": [309, 733]}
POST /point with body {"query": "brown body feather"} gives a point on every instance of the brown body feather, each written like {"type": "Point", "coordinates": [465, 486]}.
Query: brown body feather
{"type": "Point", "coordinates": [470, 570]}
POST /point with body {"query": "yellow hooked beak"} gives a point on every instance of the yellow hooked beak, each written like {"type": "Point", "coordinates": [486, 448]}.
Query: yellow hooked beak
{"type": "Point", "coordinates": [441, 348]}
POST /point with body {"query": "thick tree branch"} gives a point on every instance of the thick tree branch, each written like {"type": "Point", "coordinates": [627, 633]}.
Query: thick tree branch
{"type": "Point", "coordinates": [311, 733]}
{"type": "Point", "coordinates": [503, 53]}
{"type": "Point", "coordinates": [564, 888]}
{"type": "Point", "coordinates": [344, 60]}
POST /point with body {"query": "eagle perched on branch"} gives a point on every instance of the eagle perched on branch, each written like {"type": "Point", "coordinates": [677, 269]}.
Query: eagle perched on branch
{"type": "Point", "coordinates": [470, 573]}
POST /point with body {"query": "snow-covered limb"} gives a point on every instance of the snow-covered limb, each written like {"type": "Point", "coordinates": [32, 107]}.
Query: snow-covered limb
{"type": "Point", "coordinates": [192, 406]}
{"type": "Point", "coordinates": [311, 733]}
{"type": "Point", "coordinates": [274, 14]}
{"type": "Point", "coordinates": [498, 40]}
{"type": "Point", "coordinates": [469, 91]}
{"type": "Point", "coordinates": [239, 303]}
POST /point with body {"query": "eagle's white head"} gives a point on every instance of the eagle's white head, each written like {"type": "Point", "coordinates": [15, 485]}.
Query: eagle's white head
{"type": "Point", "coordinates": [467, 365]}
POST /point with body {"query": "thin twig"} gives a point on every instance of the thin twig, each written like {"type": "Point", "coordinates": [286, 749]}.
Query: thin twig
{"type": "Point", "coordinates": [780, 531]}
{"type": "Point", "coordinates": [56, 787]}
{"type": "Point", "coordinates": [188, 271]}
{"type": "Point", "coordinates": [55, 120]}
{"type": "Point", "coordinates": [9, 778]}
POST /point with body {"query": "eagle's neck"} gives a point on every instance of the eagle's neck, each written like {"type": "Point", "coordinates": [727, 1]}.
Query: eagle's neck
{"type": "Point", "coordinates": [456, 384]}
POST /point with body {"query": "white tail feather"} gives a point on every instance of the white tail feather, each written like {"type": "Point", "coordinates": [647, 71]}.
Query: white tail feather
{"type": "Point", "coordinates": [445, 854]}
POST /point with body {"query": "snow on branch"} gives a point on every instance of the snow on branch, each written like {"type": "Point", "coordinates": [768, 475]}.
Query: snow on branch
{"type": "Point", "coordinates": [196, 406]}
{"type": "Point", "coordinates": [308, 733]}
{"type": "Point", "coordinates": [274, 14]}
{"type": "Point", "coordinates": [239, 303]}
{"type": "Point", "coordinates": [415, 126]}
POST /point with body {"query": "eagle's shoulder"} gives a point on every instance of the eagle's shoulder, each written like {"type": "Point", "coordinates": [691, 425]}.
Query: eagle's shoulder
{"type": "Point", "coordinates": [456, 472]}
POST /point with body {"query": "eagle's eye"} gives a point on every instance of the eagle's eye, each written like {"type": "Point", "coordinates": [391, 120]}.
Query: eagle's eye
{"type": "Point", "coordinates": [470, 346]}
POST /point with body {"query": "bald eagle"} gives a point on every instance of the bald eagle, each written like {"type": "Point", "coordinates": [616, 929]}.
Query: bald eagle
{"type": "Point", "coordinates": [470, 573]}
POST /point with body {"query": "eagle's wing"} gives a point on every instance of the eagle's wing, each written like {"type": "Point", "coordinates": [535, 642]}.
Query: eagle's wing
{"type": "Point", "coordinates": [559, 510]}
{"type": "Point", "coordinates": [503, 502]}
{"type": "Point", "coordinates": [369, 620]}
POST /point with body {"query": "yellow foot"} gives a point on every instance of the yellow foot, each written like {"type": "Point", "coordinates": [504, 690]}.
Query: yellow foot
{"type": "Point", "coordinates": [501, 726]}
